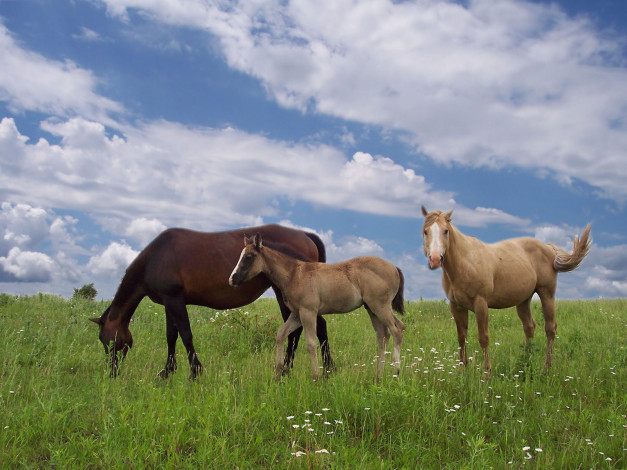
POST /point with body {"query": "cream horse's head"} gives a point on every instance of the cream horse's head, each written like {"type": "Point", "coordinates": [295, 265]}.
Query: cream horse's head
{"type": "Point", "coordinates": [435, 235]}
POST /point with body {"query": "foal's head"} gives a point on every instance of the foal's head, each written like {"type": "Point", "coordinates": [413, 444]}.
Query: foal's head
{"type": "Point", "coordinates": [250, 263]}
{"type": "Point", "coordinates": [435, 234]}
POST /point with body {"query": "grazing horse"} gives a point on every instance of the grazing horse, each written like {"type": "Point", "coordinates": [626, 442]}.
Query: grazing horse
{"type": "Point", "coordinates": [181, 267]}
{"type": "Point", "coordinates": [314, 289]}
{"type": "Point", "coordinates": [477, 276]}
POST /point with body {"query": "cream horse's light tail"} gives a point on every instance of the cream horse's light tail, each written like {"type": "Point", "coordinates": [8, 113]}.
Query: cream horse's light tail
{"type": "Point", "coordinates": [564, 261]}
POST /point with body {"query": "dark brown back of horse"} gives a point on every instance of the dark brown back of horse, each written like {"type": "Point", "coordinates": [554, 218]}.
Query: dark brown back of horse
{"type": "Point", "coordinates": [182, 267]}
{"type": "Point", "coordinates": [198, 264]}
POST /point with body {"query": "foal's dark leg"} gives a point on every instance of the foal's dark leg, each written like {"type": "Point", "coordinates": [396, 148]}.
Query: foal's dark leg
{"type": "Point", "coordinates": [176, 305]}
{"type": "Point", "coordinates": [293, 338]}
{"type": "Point", "coordinates": [172, 334]}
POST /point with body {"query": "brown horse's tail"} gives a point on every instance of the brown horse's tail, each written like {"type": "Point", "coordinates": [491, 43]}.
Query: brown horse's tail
{"type": "Point", "coordinates": [398, 303]}
{"type": "Point", "coordinates": [322, 251]}
{"type": "Point", "coordinates": [564, 261]}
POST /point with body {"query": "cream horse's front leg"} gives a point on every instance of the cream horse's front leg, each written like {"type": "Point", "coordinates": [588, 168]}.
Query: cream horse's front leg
{"type": "Point", "coordinates": [290, 325]}
{"type": "Point", "coordinates": [481, 313]}
{"type": "Point", "coordinates": [460, 315]}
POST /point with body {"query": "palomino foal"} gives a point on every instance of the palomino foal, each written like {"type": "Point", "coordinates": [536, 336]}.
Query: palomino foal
{"type": "Point", "coordinates": [477, 276]}
{"type": "Point", "coordinates": [312, 289]}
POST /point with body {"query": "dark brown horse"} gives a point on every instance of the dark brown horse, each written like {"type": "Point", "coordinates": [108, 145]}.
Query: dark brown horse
{"type": "Point", "coordinates": [181, 267]}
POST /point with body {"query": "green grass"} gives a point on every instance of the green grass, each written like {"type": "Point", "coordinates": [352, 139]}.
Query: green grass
{"type": "Point", "coordinates": [59, 408]}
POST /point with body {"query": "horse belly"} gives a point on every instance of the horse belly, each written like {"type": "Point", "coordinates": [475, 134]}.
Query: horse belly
{"type": "Point", "coordinates": [513, 290]}
{"type": "Point", "coordinates": [341, 297]}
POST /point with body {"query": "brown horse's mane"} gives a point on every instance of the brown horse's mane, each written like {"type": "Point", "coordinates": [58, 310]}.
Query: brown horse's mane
{"type": "Point", "coordinates": [285, 250]}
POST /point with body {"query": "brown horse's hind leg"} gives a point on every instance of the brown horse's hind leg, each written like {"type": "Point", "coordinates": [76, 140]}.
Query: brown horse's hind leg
{"type": "Point", "coordinates": [524, 313]}
{"type": "Point", "coordinates": [176, 306]}
{"type": "Point", "coordinates": [460, 315]}
{"type": "Point", "coordinates": [172, 334]}
{"type": "Point", "coordinates": [550, 323]}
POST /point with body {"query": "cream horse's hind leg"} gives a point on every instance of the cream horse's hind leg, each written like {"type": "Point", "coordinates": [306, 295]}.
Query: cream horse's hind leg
{"type": "Point", "coordinates": [550, 324]}
{"type": "Point", "coordinates": [481, 314]}
{"type": "Point", "coordinates": [290, 325]}
{"type": "Point", "coordinates": [524, 313]}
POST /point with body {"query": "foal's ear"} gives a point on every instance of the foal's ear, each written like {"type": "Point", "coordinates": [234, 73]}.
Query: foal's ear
{"type": "Point", "coordinates": [257, 241]}
{"type": "Point", "coordinates": [96, 320]}
{"type": "Point", "coordinates": [449, 215]}
{"type": "Point", "coordinates": [424, 211]}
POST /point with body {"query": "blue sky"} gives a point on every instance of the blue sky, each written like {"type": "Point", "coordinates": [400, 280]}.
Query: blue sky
{"type": "Point", "coordinates": [119, 118]}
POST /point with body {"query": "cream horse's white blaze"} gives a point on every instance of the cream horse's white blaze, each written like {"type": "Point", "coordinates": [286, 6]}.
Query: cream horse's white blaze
{"type": "Point", "coordinates": [435, 238]}
{"type": "Point", "coordinates": [477, 276]}
{"type": "Point", "coordinates": [311, 289]}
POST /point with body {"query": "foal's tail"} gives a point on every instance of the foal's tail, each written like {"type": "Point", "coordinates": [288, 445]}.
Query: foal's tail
{"type": "Point", "coordinates": [398, 303]}
{"type": "Point", "coordinates": [564, 261]}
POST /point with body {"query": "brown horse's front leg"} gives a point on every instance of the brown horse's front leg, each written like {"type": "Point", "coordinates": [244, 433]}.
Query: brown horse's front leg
{"type": "Point", "coordinates": [172, 334]}
{"type": "Point", "coordinates": [460, 315]}
{"type": "Point", "coordinates": [481, 313]}
{"type": "Point", "coordinates": [175, 306]}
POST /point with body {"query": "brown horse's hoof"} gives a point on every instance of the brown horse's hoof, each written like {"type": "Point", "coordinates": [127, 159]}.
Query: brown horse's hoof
{"type": "Point", "coordinates": [163, 374]}
{"type": "Point", "coordinates": [195, 372]}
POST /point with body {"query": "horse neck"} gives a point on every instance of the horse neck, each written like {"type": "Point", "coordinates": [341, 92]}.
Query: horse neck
{"type": "Point", "coordinates": [456, 249]}
{"type": "Point", "coordinates": [278, 267]}
{"type": "Point", "coordinates": [125, 301]}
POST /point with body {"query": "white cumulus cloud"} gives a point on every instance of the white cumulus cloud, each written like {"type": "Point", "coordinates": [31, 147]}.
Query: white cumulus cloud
{"type": "Point", "coordinates": [27, 266]}
{"type": "Point", "coordinates": [113, 261]}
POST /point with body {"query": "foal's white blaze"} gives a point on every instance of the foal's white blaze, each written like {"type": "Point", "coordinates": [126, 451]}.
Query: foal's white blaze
{"type": "Point", "coordinates": [236, 266]}
{"type": "Point", "coordinates": [435, 247]}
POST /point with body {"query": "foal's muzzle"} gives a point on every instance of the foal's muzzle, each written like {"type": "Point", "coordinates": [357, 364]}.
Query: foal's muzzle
{"type": "Point", "coordinates": [235, 280]}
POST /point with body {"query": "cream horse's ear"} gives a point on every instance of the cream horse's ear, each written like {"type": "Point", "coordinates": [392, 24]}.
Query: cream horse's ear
{"type": "Point", "coordinates": [449, 215]}
{"type": "Point", "coordinates": [424, 211]}
{"type": "Point", "coordinates": [258, 241]}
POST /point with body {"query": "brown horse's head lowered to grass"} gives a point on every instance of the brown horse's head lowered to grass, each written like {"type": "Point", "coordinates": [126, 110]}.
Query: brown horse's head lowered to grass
{"type": "Point", "coordinates": [477, 276]}
{"type": "Point", "coordinates": [314, 289]}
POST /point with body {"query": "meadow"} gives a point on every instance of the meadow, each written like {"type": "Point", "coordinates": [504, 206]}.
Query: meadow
{"type": "Point", "coordinates": [60, 409]}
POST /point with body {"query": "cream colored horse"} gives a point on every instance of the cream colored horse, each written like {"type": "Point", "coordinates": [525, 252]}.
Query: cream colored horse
{"type": "Point", "coordinates": [311, 289]}
{"type": "Point", "coordinates": [477, 276]}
